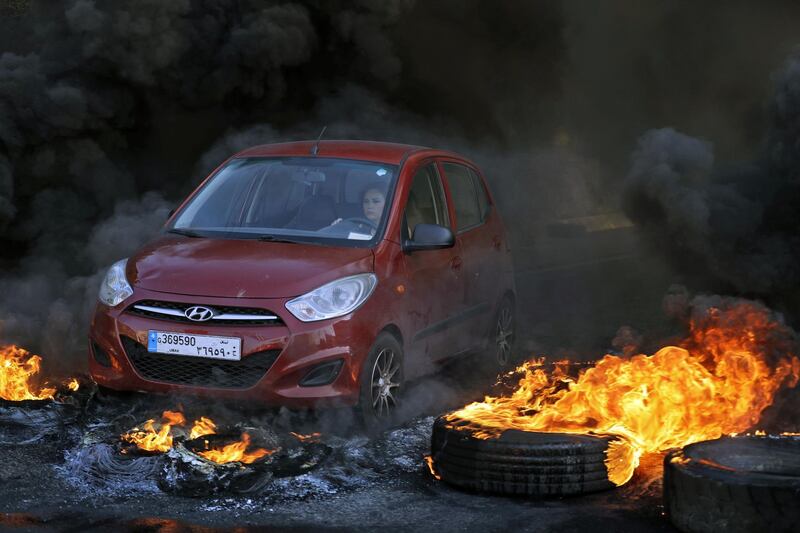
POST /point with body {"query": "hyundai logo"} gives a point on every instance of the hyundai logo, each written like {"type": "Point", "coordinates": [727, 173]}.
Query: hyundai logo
{"type": "Point", "coordinates": [198, 313]}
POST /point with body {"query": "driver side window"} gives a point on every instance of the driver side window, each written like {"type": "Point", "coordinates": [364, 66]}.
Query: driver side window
{"type": "Point", "coordinates": [426, 204]}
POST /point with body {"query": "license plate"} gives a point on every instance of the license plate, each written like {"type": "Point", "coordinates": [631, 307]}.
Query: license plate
{"type": "Point", "coordinates": [210, 347]}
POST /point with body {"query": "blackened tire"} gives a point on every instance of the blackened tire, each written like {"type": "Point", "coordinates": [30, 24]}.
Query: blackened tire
{"type": "Point", "coordinates": [734, 484]}
{"type": "Point", "coordinates": [520, 462]}
{"type": "Point", "coordinates": [385, 362]}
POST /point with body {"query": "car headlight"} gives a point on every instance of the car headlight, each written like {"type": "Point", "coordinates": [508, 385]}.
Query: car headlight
{"type": "Point", "coordinates": [115, 287]}
{"type": "Point", "coordinates": [333, 299]}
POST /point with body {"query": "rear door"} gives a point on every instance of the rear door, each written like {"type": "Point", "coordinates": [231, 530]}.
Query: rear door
{"type": "Point", "coordinates": [435, 277]}
{"type": "Point", "coordinates": [478, 245]}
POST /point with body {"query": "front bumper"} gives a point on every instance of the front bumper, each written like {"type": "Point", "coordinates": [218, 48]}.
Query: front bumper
{"type": "Point", "coordinates": [299, 347]}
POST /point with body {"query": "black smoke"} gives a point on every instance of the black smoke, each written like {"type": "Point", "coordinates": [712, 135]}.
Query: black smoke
{"type": "Point", "coordinates": [110, 112]}
{"type": "Point", "coordinates": [733, 226]}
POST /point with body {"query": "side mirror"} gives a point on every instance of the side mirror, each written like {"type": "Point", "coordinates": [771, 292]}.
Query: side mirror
{"type": "Point", "coordinates": [429, 237]}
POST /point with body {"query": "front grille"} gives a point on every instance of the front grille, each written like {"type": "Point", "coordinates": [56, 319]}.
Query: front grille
{"type": "Point", "coordinates": [197, 371]}
{"type": "Point", "coordinates": [223, 315]}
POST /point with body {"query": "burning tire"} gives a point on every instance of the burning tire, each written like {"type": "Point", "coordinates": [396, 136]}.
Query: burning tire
{"type": "Point", "coordinates": [734, 484]}
{"type": "Point", "coordinates": [188, 472]}
{"type": "Point", "coordinates": [520, 462]}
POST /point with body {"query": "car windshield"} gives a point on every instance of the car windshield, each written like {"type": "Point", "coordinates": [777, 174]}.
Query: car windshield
{"type": "Point", "coordinates": [292, 199]}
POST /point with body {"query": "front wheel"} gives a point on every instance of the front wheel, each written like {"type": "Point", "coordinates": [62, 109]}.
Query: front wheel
{"type": "Point", "coordinates": [381, 383]}
{"type": "Point", "coordinates": [503, 336]}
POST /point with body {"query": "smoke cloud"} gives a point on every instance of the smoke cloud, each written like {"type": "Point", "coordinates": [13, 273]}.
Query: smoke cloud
{"type": "Point", "coordinates": [111, 112]}
{"type": "Point", "coordinates": [736, 224]}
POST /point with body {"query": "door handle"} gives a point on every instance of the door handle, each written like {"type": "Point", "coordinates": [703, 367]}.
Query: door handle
{"type": "Point", "coordinates": [456, 263]}
{"type": "Point", "coordinates": [496, 242]}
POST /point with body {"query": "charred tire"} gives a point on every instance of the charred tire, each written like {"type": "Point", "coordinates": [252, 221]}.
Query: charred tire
{"type": "Point", "coordinates": [734, 484]}
{"type": "Point", "coordinates": [381, 384]}
{"type": "Point", "coordinates": [520, 462]}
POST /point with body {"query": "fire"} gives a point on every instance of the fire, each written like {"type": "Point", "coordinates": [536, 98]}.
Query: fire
{"type": "Point", "coordinates": [149, 438]}
{"type": "Point", "coordinates": [18, 369]}
{"type": "Point", "coordinates": [718, 380]}
{"type": "Point", "coordinates": [73, 384]}
{"type": "Point", "coordinates": [431, 467]}
{"type": "Point", "coordinates": [236, 451]}
{"type": "Point", "coordinates": [204, 426]}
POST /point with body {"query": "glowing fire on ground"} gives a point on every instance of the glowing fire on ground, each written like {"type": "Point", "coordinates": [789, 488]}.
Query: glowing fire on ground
{"type": "Point", "coordinates": [149, 438]}
{"type": "Point", "coordinates": [158, 437]}
{"type": "Point", "coordinates": [236, 452]}
{"type": "Point", "coordinates": [203, 426]}
{"type": "Point", "coordinates": [311, 437]}
{"type": "Point", "coordinates": [19, 370]}
{"type": "Point", "coordinates": [431, 468]}
{"type": "Point", "coordinates": [717, 381]}
{"type": "Point", "coordinates": [152, 439]}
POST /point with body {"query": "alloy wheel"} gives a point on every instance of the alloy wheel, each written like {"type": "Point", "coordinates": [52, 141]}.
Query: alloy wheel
{"type": "Point", "coordinates": [385, 383]}
{"type": "Point", "coordinates": [504, 337]}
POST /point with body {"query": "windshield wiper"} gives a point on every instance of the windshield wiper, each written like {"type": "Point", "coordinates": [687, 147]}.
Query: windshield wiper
{"type": "Point", "coordinates": [185, 232]}
{"type": "Point", "coordinates": [275, 238]}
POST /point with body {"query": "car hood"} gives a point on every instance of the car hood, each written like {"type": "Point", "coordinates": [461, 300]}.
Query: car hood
{"type": "Point", "coordinates": [241, 268]}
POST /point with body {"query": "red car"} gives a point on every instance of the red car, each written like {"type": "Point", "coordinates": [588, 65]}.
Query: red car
{"type": "Point", "coordinates": [308, 274]}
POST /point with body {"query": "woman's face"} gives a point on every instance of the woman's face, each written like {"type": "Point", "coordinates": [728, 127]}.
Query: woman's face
{"type": "Point", "coordinates": [373, 205]}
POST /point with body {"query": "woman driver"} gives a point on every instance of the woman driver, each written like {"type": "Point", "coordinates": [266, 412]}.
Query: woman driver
{"type": "Point", "coordinates": [373, 200]}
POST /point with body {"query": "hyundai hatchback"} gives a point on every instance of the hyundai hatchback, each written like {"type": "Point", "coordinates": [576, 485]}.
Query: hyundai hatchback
{"type": "Point", "coordinates": [312, 274]}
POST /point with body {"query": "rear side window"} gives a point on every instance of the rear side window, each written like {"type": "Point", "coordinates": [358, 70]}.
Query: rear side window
{"type": "Point", "coordinates": [483, 201]}
{"type": "Point", "coordinates": [425, 203]}
{"type": "Point", "coordinates": [464, 195]}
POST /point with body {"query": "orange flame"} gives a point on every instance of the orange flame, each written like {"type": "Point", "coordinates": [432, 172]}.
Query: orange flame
{"type": "Point", "coordinates": [149, 439]}
{"type": "Point", "coordinates": [18, 369]}
{"type": "Point", "coordinates": [431, 467]}
{"type": "Point", "coordinates": [204, 426]}
{"type": "Point", "coordinates": [718, 381]}
{"type": "Point", "coordinates": [236, 451]}
{"type": "Point", "coordinates": [73, 384]}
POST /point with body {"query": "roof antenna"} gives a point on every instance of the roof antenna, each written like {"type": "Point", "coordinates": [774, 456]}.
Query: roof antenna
{"type": "Point", "coordinates": [315, 148]}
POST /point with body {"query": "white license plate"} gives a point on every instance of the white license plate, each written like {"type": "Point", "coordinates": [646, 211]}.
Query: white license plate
{"type": "Point", "coordinates": [228, 348]}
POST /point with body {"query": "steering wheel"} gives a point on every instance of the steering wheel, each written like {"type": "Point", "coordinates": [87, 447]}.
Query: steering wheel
{"type": "Point", "coordinates": [361, 221]}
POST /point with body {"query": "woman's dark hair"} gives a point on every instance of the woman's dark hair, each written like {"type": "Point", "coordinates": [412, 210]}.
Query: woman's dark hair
{"type": "Point", "coordinates": [379, 186]}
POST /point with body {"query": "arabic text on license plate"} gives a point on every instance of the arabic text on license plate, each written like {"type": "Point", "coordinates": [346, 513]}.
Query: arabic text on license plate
{"type": "Point", "coordinates": [228, 348]}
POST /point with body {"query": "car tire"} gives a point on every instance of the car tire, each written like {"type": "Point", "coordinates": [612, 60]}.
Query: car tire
{"type": "Point", "coordinates": [499, 355]}
{"type": "Point", "coordinates": [381, 384]}
{"type": "Point", "coordinates": [519, 462]}
{"type": "Point", "coordinates": [734, 484]}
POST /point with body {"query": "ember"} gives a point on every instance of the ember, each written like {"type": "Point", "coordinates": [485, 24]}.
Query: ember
{"type": "Point", "coordinates": [312, 437]}
{"type": "Point", "coordinates": [718, 380]}
{"type": "Point", "coordinates": [236, 452]}
{"type": "Point", "coordinates": [18, 371]}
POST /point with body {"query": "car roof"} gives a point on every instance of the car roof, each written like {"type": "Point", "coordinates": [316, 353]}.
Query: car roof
{"type": "Point", "coordinates": [380, 152]}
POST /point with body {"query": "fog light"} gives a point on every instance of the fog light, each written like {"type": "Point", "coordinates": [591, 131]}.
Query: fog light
{"type": "Point", "coordinates": [100, 356]}
{"type": "Point", "coordinates": [322, 374]}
